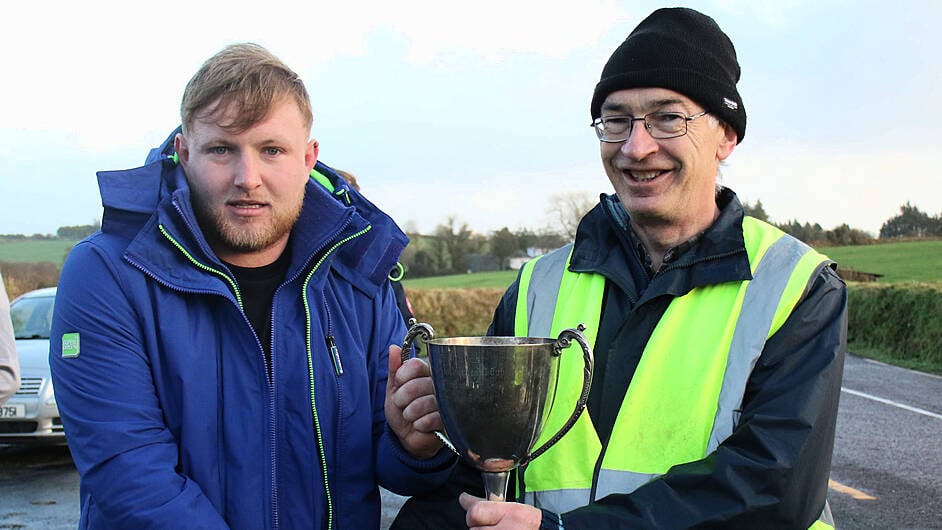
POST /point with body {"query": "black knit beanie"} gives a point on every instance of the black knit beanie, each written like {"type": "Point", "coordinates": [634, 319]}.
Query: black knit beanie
{"type": "Point", "coordinates": [685, 51]}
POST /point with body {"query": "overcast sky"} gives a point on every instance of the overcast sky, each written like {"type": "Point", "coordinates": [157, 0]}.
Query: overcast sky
{"type": "Point", "coordinates": [477, 110]}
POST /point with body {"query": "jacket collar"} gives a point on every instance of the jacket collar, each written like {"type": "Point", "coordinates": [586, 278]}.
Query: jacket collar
{"type": "Point", "coordinates": [718, 256]}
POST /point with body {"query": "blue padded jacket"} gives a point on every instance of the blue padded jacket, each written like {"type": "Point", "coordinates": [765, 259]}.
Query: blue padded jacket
{"type": "Point", "coordinates": [170, 412]}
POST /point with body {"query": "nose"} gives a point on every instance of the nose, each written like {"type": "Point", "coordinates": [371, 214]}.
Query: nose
{"type": "Point", "coordinates": [247, 175]}
{"type": "Point", "coordinates": [640, 144]}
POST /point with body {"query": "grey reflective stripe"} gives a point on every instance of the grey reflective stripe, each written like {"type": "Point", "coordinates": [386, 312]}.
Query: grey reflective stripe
{"type": "Point", "coordinates": [760, 302]}
{"type": "Point", "coordinates": [611, 481]}
{"type": "Point", "coordinates": [826, 516]}
{"type": "Point", "coordinates": [624, 482]}
{"type": "Point", "coordinates": [544, 285]}
{"type": "Point", "coordinates": [562, 501]}
{"type": "Point", "coordinates": [558, 501]}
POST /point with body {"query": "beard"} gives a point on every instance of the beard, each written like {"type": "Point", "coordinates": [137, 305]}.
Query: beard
{"type": "Point", "coordinates": [228, 236]}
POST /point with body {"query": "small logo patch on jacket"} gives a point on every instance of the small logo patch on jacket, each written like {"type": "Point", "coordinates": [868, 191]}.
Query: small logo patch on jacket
{"type": "Point", "coordinates": [70, 345]}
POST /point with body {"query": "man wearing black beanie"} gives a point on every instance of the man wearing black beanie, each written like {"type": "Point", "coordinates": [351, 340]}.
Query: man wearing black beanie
{"type": "Point", "coordinates": [719, 340]}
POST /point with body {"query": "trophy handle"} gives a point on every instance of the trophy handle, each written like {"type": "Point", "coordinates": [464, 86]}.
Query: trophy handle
{"type": "Point", "coordinates": [416, 328]}
{"type": "Point", "coordinates": [562, 342]}
{"type": "Point", "coordinates": [425, 330]}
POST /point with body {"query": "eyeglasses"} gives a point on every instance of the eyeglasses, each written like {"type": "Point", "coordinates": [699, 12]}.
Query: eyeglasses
{"type": "Point", "coordinates": [659, 125]}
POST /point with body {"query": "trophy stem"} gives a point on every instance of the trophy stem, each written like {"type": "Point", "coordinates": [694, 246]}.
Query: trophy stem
{"type": "Point", "coordinates": [495, 485]}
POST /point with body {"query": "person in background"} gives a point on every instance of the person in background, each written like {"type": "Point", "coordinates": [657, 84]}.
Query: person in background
{"type": "Point", "coordinates": [395, 276]}
{"type": "Point", "coordinates": [9, 366]}
{"type": "Point", "coordinates": [719, 340]}
{"type": "Point", "coordinates": [221, 349]}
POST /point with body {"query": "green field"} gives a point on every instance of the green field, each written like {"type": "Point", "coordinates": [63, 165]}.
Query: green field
{"type": "Point", "coordinates": [34, 251]}
{"type": "Point", "coordinates": [918, 261]}
{"type": "Point", "coordinates": [500, 279]}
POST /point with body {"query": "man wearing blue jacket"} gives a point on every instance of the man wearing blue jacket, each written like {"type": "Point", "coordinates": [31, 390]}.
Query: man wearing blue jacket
{"type": "Point", "coordinates": [220, 348]}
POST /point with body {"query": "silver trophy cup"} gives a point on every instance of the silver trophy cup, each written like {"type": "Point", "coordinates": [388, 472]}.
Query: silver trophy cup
{"type": "Point", "coordinates": [494, 395]}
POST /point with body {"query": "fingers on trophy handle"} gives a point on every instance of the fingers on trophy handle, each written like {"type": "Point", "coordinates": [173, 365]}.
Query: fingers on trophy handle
{"type": "Point", "coordinates": [416, 328]}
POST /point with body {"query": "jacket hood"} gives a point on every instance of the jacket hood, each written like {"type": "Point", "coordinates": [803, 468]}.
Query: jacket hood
{"type": "Point", "coordinates": [152, 202]}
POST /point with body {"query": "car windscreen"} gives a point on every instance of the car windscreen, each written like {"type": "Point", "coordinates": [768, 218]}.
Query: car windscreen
{"type": "Point", "coordinates": [32, 317]}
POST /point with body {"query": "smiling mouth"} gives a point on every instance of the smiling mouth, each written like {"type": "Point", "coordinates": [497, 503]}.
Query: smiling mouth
{"type": "Point", "coordinates": [644, 176]}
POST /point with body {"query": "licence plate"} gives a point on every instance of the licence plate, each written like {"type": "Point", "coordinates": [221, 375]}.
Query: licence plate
{"type": "Point", "coordinates": [12, 411]}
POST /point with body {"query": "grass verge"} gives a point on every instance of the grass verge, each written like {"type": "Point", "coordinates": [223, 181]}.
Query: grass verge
{"type": "Point", "coordinates": [899, 323]}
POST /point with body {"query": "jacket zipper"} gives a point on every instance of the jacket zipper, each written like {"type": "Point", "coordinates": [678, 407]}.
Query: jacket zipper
{"type": "Point", "coordinates": [310, 362]}
{"type": "Point", "coordinates": [269, 377]}
{"type": "Point", "coordinates": [332, 350]}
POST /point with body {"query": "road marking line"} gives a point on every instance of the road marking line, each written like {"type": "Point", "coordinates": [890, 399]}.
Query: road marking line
{"type": "Point", "coordinates": [893, 403]}
{"type": "Point", "coordinates": [847, 490]}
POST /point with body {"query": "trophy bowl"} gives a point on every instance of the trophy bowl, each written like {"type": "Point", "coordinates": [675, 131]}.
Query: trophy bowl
{"type": "Point", "coordinates": [494, 395]}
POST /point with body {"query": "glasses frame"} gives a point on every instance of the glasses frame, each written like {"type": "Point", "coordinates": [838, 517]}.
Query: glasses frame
{"type": "Point", "coordinates": [647, 125]}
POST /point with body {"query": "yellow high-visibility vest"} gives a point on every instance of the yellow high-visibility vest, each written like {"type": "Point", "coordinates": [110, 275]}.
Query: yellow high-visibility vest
{"type": "Point", "coordinates": [684, 397]}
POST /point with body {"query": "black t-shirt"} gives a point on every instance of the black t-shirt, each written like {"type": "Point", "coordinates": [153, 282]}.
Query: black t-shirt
{"type": "Point", "coordinates": [257, 286]}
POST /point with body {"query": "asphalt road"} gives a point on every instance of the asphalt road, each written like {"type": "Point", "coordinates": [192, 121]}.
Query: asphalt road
{"type": "Point", "coordinates": [886, 471]}
{"type": "Point", "coordinates": [39, 490]}
{"type": "Point", "coordinates": [888, 449]}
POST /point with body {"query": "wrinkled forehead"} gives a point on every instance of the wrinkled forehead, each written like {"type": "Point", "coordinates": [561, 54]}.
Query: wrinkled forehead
{"type": "Point", "coordinates": [635, 101]}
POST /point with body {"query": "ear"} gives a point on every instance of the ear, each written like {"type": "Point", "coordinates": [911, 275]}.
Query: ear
{"type": "Point", "coordinates": [310, 154]}
{"type": "Point", "coordinates": [727, 143]}
{"type": "Point", "coordinates": [182, 148]}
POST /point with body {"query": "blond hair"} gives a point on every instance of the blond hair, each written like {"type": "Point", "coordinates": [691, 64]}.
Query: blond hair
{"type": "Point", "coordinates": [245, 81]}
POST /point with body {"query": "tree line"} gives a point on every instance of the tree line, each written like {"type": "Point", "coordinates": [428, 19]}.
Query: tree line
{"type": "Point", "coordinates": [455, 248]}
{"type": "Point", "coordinates": [70, 233]}
{"type": "Point", "coordinates": [910, 223]}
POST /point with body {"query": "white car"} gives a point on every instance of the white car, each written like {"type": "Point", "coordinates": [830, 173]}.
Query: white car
{"type": "Point", "coordinates": [31, 415]}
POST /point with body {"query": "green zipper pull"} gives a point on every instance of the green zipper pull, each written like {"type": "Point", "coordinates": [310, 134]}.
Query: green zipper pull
{"type": "Point", "coordinates": [334, 355]}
